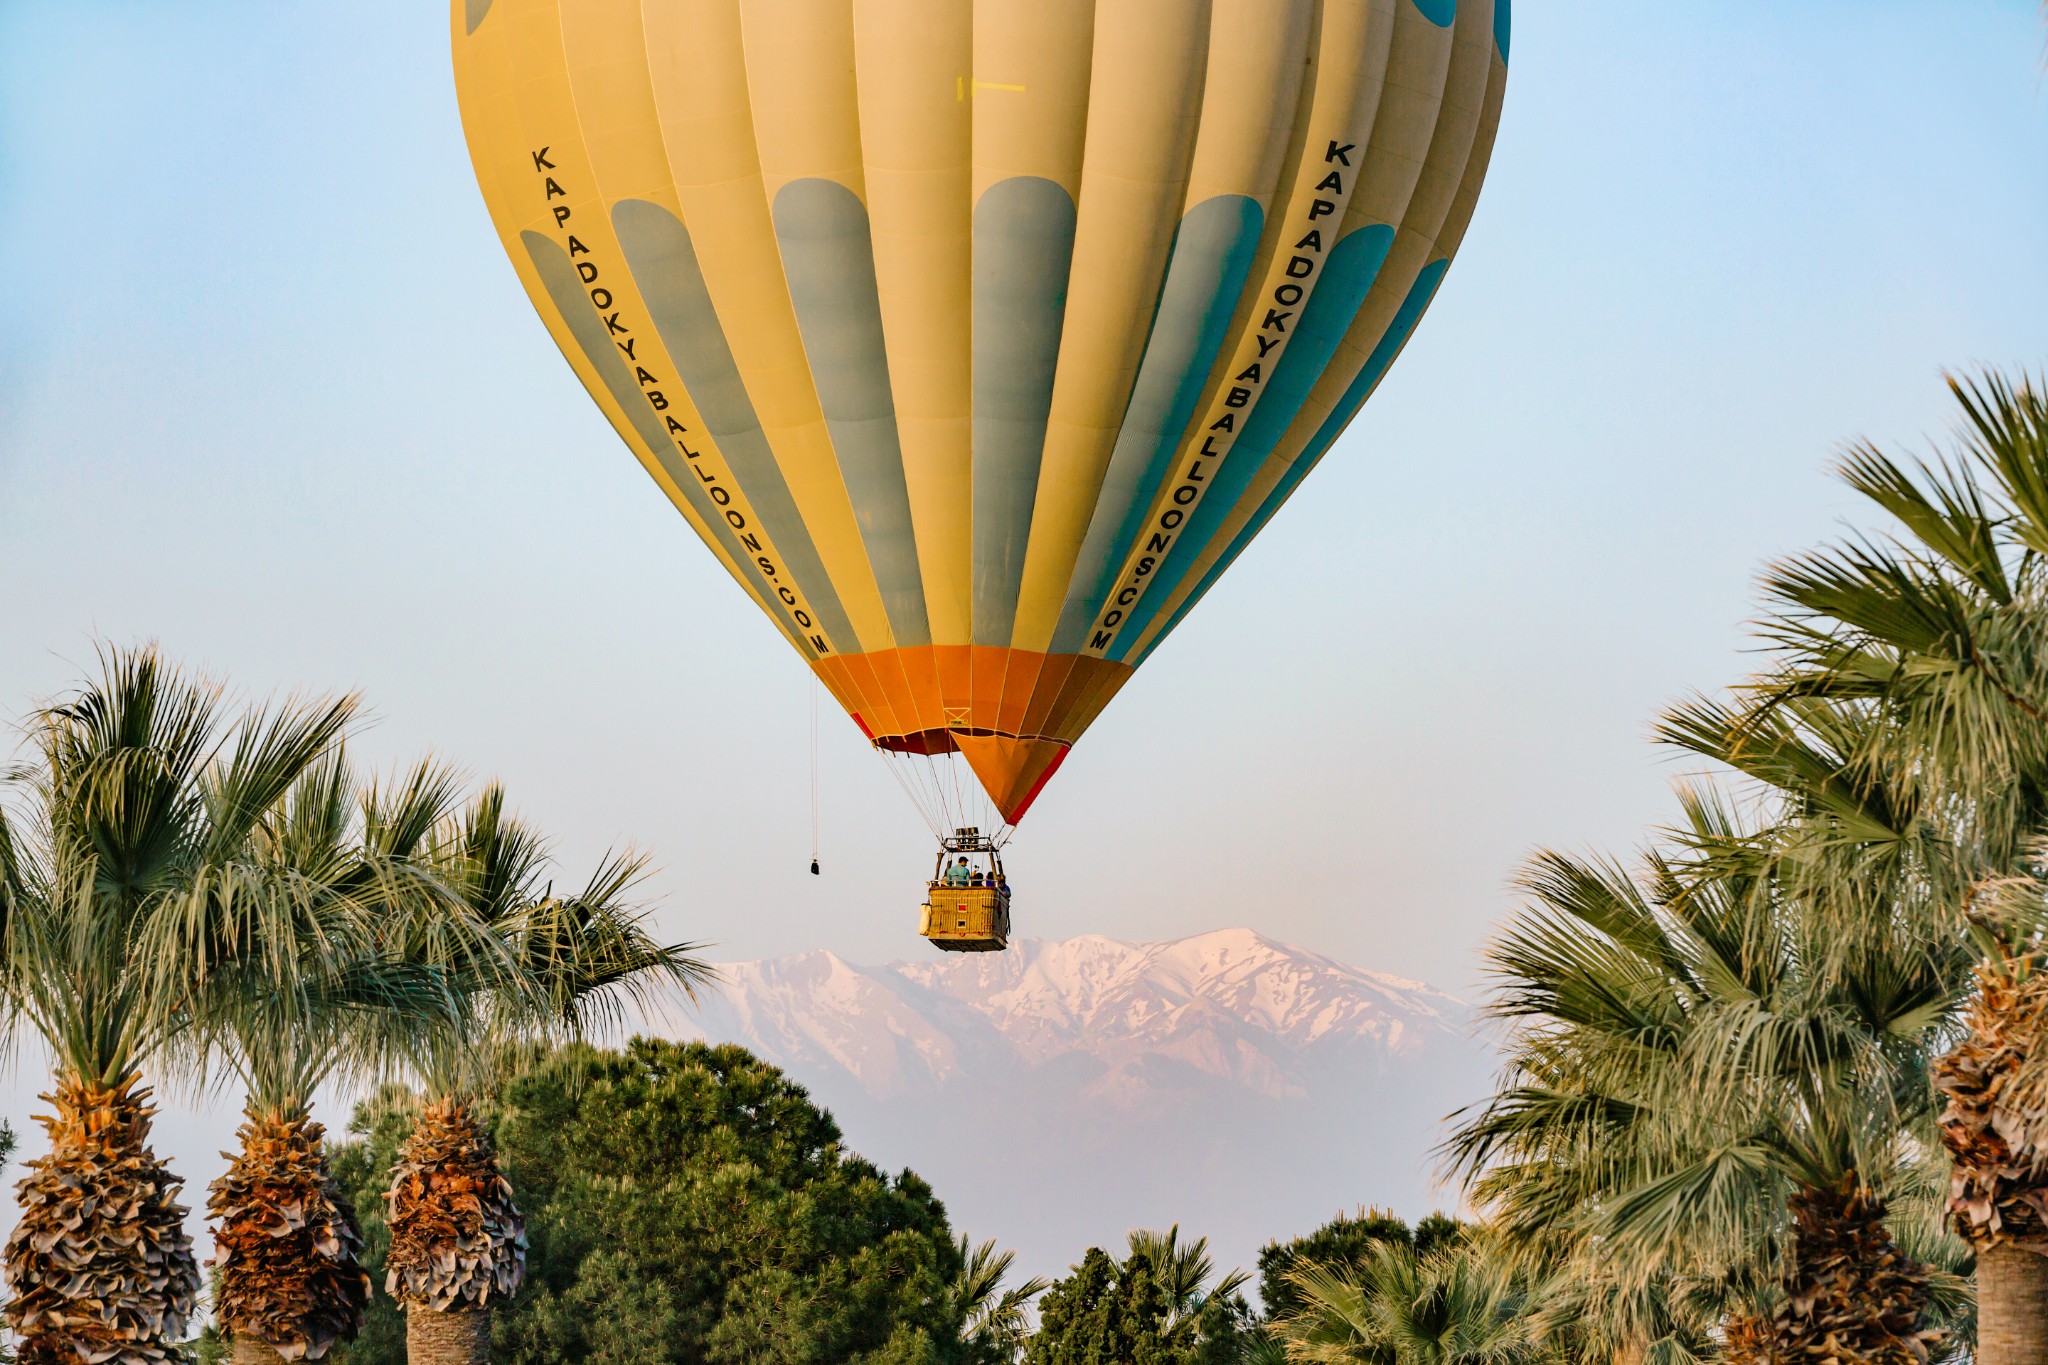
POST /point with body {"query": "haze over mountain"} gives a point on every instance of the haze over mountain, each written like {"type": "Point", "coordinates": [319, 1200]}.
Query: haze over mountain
{"type": "Point", "coordinates": [1060, 1093]}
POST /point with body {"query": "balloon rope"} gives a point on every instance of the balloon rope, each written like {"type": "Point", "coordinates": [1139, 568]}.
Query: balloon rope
{"type": "Point", "coordinates": [902, 768]}
{"type": "Point", "coordinates": [953, 766]}
{"type": "Point", "coordinates": [814, 769]}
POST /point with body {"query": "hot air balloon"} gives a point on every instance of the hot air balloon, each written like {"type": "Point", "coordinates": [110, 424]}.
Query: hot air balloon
{"type": "Point", "coordinates": [977, 338]}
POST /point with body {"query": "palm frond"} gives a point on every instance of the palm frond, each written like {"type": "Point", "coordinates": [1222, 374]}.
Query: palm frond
{"type": "Point", "coordinates": [993, 1315]}
{"type": "Point", "coordinates": [2005, 431]}
{"type": "Point", "coordinates": [1942, 507]}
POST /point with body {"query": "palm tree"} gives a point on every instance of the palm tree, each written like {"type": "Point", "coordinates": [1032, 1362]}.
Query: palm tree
{"type": "Point", "coordinates": [1708, 1088]}
{"type": "Point", "coordinates": [993, 1322]}
{"type": "Point", "coordinates": [1183, 1270]}
{"type": "Point", "coordinates": [560, 968]}
{"type": "Point", "coordinates": [289, 1282]}
{"type": "Point", "coordinates": [140, 810]}
{"type": "Point", "coordinates": [1589, 1310]}
{"type": "Point", "coordinates": [1931, 643]}
{"type": "Point", "coordinates": [1455, 1306]}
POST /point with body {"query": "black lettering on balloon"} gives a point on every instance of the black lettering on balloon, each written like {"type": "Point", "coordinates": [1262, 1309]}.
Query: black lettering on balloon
{"type": "Point", "coordinates": [1312, 242]}
{"type": "Point", "coordinates": [1289, 294]}
{"type": "Point", "coordinates": [1336, 153]}
{"type": "Point", "coordinates": [1320, 208]}
{"type": "Point", "coordinates": [601, 300]}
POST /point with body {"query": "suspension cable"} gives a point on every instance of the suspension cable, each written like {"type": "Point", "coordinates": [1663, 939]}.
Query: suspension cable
{"type": "Point", "coordinates": [814, 775]}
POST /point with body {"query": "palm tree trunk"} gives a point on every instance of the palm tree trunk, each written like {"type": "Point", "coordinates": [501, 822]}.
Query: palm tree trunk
{"type": "Point", "coordinates": [248, 1350]}
{"type": "Point", "coordinates": [1853, 1295]}
{"type": "Point", "coordinates": [462, 1337]}
{"type": "Point", "coordinates": [1999, 1185]}
{"type": "Point", "coordinates": [458, 1244]}
{"type": "Point", "coordinates": [2012, 1307]}
{"type": "Point", "coordinates": [287, 1242]}
{"type": "Point", "coordinates": [100, 1265]}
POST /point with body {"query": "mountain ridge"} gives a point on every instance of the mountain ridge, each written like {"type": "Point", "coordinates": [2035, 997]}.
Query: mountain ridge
{"type": "Point", "coordinates": [1231, 1004]}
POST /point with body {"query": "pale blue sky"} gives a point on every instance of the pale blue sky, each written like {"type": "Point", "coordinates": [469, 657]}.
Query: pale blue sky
{"type": "Point", "coordinates": [270, 394]}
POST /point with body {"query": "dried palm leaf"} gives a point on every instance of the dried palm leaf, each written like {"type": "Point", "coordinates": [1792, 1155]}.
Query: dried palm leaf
{"type": "Point", "coordinates": [457, 1239]}
{"type": "Point", "coordinates": [287, 1241]}
{"type": "Point", "coordinates": [1998, 1194]}
{"type": "Point", "coordinates": [1853, 1298]}
{"type": "Point", "coordinates": [101, 1269]}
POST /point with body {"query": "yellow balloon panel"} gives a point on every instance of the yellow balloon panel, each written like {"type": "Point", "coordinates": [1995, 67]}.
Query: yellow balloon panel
{"type": "Point", "coordinates": [978, 337]}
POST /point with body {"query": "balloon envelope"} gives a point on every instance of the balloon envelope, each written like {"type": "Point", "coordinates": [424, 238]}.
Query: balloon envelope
{"type": "Point", "coordinates": [978, 337]}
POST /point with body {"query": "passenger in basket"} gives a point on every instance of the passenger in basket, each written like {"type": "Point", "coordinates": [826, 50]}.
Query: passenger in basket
{"type": "Point", "coordinates": [957, 874]}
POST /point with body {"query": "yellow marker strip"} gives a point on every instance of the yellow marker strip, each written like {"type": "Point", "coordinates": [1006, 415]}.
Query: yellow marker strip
{"type": "Point", "coordinates": [1039, 51]}
{"type": "Point", "coordinates": [966, 89]}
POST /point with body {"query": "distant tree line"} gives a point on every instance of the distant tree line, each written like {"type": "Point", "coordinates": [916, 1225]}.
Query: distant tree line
{"type": "Point", "coordinates": [685, 1202]}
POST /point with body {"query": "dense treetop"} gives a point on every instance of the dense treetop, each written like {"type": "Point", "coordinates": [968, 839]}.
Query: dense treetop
{"type": "Point", "coordinates": [1345, 1241]}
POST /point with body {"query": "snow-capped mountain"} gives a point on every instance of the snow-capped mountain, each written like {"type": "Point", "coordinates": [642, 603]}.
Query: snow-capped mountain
{"type": "Point", "coordinates": [1113, 999]}
{"type": "Point", "coordinates": [1060, 1093]}
{"type": "Point", "coordinates": [1230, 1004]}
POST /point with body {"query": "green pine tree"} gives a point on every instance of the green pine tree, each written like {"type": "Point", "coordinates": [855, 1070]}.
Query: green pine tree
{"type": "Point", "coordinates": [687, 1203]}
